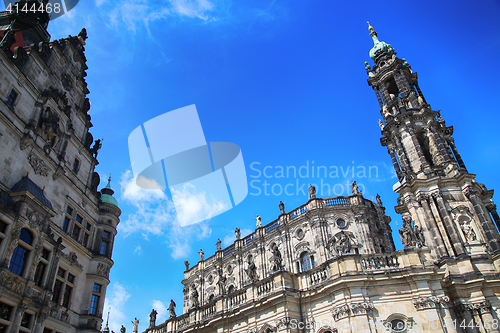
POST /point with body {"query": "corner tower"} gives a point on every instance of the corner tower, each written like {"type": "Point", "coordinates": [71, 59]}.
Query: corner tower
{"type": "Point", "coordinates": [436, 192]}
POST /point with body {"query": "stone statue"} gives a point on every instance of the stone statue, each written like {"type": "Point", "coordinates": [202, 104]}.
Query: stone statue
{"type": "Point", "coordinates": [237, 233]}
{"type": "Point", "coordinates": [331, 245]}
{"type": "Point", "coordinates": [218, 244]}
{"type": "Point", "coordinates": [95, 149]}
{"type": "Point", "coordinates": [312, 192]}
{"type": "Point", "coordinates": [251, 270]}
{"type": "Point", "coordinates": [282, 207]}
{"type": "Point", "coordinates": [123, 329]}
{"type": "Point", "coordinates": [194, 298]}
{"type": "Point", "coordinates": [381, 124]}
{"type": "Point", "coordinates": [202, 255]}
{"type": "Point", "coordinates": [259, 221]}
{"type": "Point", "coordinates": [379, 201]}
{"type": "Point", "coordinates": [187, 265]}
{"type": "Point", "coordinates": [135, 328]}
{"type": "Point", "coordinates": [50, 126]}
{"type": "Point", "coordinates": [343, 243]}
{"type": "Point", "coordinates": [469, 233]}
{"type": "Point", "coordinates": [152, 318]}
{"type": "Point", "coordinates": [419, 236]}
{"type": "Point", "coordinates": [222, 281]}
{"type": "Point", "coordinates": [171, 309]}
{"type": "Point", "coordinates": [277, 259]}
{"type": "Point", "coordinates": [355, 189]}
{"type": "Point", "coordinates": [406, 234]}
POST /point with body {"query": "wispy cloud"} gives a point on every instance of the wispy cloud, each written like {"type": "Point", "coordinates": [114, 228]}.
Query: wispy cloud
{"type": "Point", "coordinates": [138, 250]}
{"type": "Point", "coordinates": [193, 8]}
{"type": "Point", "coordinates": [153, 213]}
{"type": "Point", "coordinates": [116, 299]}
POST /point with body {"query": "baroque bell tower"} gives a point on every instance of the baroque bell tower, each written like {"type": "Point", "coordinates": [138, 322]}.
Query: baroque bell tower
{"type": "Point", "coordinates": [438, 197]}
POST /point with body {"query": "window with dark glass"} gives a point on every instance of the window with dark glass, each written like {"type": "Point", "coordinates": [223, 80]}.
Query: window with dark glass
{"type": "Point", "coordinates": [104, 244]}
{"type": "Point", "coordinates": [47, 330]}
{"type": "Point", "coordinates": [67, 218]}
{"type": "Point", "coordinates": [76, 232]}
{"type": "Point", "coordinates": [97, 288]}
{"type": "Point", "coordinates": [12, 97]}
{"type": "Point", "coordinates": [67, 296]}
{"type": "Point", "coordinates": [57, 291]}
{"type": "Point", "coordinates": [26, 320]}
{"type": "Point", "coordinates": [21, 253]}
{"type": "Point", "coordinates": [66, 223]}
{"type": "Point", "coordinates": [76, 165]}
{"type": "Point", "coordinates": [61, 272]}
{"type": "Point", "coordinates": [71, 278]}
{"type": "Point", "coordinates": [305, 262]}
{"type": "Point", "coordinates": [94, 303]}
{"type": "Point", "coordinates": [39, 273]}
{"type": "Point", "coordinates": [3, 227]}
{"type": "Point", "coordinates": [5, 311]}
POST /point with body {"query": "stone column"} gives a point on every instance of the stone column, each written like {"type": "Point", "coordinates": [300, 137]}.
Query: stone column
{"type": "Point", "coordinates": [436, 147]}
{"type": "Point", "coordinates": [402, 155]}
{"type": "Point", "coordinates": [365, 234]}
{"type": "Point", "coordinates": [39, 322]}
{"type": "Point", "coordinates": [449, 224]}
{"type": "Point", "coordinates": [395, 162]}
{"type": "Point", "coordinates": [488, 227]}
{"type": "Point", "coordinates": [492, 208]}
{"type": "Point", "coordinates": [377, 92]}
{"type": "Point", "coordinates": [21, 307]}
{"type": "Point", "coordinates": [460, 162]}
{"type": "Point", "coordinates": [432, 227]}
{"type": "Point", "coordinates": [418, 149]}
{"type": "Point", "coordinates": [484, 311]}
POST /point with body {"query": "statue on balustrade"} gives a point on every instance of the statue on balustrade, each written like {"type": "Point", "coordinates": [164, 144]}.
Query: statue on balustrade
{"type": "Point", "coordinates": [135, 327]}
{"type": "Point", "coordinates": [406, 233]}
{"type": "Point", "coordinates": [123, 329]}
{"type": "Point", "coordinates": [152, 318]}
{"type": "Point", "coordinates": [171, 309]}
{"type": "Point", "coordinates": [218, 244]}
{"type": "Point", "coordinates": [202, 255]}
{"type": "Point", "coordinates": [312, 192]}
{"type": "Point", "coordinates": [282, 207]}
{"type": "Point", "coordinates": [237, 233]}
{"type": "Point", "coordinates": [419, 236]}
{"type": "Point", "coordinates": [186, 263]}
{"type": "Point", "coordinates": [259, 221]}
{"type": "Point", "coordinates": [379, 201]}
{"type": "Point", "coordinates": [251, 270]}
{"type": "Point", "coordinates": [355, 188]}
{"type": "Point", "coordinates": [277, 259]}
{"type": "Point", "coordinates": [194, 298]}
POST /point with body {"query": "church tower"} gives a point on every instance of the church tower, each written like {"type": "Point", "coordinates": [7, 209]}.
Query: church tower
{"type": "Point", "coordinates": [438, 197]}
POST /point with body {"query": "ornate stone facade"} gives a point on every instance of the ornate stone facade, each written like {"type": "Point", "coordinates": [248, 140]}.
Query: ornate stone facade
{"type": "Point", "coordinates": [330, 265]}
{"type": "Point", "coordinates": [56, 230]}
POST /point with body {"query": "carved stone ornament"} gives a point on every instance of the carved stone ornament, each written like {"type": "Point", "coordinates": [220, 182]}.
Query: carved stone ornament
{"type": "Point", "coordinates": [73, 259]}
{"type": "Point", "coordinates": [102, 270]}
{"type": "Point", "coordinates": [58, 173]}
{"type": "Point", "coordinates": [430, 302]}
{"type": "Point", "coordinates": [12, 283]}
{"type": "Point", "coordinates": [474, 308]}
{"type": "Point", "coordinates": [351, 309]}
{"type": "Point", "coordinates": [38, 165]}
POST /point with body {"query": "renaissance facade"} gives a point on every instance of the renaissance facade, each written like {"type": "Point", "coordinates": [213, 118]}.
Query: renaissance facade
{"type": "Point", "coordinates": [56, 229]}
{"type": "Point", "coordinates": [331, 266]}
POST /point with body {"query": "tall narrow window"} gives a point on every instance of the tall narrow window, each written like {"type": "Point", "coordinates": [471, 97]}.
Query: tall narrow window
{"type": "Point", "coordinates": [76, 165]}
{"type": "Point", "coordinates": [67, 218]}
{"type": "Point", "coordinates": [86, 236]}
{"type": "Point", "coordinates": [305, 262]}
{"type": "Point", "coordinates": [94, 299]}
{"type": "Point", "coordinates": [11, 98]}
{"type": "Point", "coordinates": [104, 243]}
{"type": "Point", "coordinates": [21, 253]}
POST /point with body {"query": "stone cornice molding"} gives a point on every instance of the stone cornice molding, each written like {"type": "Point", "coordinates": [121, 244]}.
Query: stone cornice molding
{"type": "Point", "coordinates": [351, 309]}
{"type": "Point", "coordinates": [430, 302]}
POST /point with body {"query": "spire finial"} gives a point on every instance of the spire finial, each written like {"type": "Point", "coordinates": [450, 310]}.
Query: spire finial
{"type": "Point", "coordinates": [369, 26]}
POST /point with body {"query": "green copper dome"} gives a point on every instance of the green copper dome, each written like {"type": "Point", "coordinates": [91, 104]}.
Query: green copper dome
{"type": "Point", "coordinates": [107, 194]}
{"type": "Point", "coordinates": [379, 48]}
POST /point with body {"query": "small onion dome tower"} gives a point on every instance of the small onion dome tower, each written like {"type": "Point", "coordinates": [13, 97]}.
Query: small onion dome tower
{"type": "Point", "coordinates": [107, 194]}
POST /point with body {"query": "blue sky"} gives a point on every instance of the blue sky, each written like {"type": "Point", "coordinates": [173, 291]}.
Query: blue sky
{"type": "Point", "coordinates": [284, 80]}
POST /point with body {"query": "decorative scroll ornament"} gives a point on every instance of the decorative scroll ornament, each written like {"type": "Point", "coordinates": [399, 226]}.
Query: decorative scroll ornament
{"type": "Point", "coordinates": [430, 302]}
{"type": "Point", "coordinates": [38, 165]}
{"type": "Point", "coordinates": [351, 309]}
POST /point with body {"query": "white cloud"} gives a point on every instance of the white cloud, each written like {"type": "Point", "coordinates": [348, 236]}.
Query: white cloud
{"type": "Point", "coordinates": [98, 3]}
{"type": "Point", "coordinates": [161, 308]}
{"type": "Point", "coordinates": [116, 297]}
{"type": "Point", "coordinates": [154, 214]}
{"type": "Point", "coordinates": [138, 250]}
{"type": "Point", "coordinates": [193, 8]}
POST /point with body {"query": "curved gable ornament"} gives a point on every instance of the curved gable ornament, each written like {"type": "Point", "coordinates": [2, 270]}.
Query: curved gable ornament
{"type": "Point", "coordinates": [327, 329]}
{"type": "Point", "coordinates": [266, 328]}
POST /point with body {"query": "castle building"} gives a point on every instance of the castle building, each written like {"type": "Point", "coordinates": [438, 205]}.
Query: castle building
{"type": "Point", "coordinates": [56, 229]}
{"type": "Point", "coordinates": [330, 265]}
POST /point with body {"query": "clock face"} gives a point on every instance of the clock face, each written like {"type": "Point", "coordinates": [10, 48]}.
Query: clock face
{"type": "Point", "coordinates": [341, 223]}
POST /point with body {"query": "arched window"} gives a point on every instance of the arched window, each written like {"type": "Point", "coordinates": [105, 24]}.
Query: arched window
{"type": "Point", "coordinates": [231, 289]}
{"type": "Point", "coordinates": [305, 262]}
{"type": "Point", "coordinates": [21, 253]}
